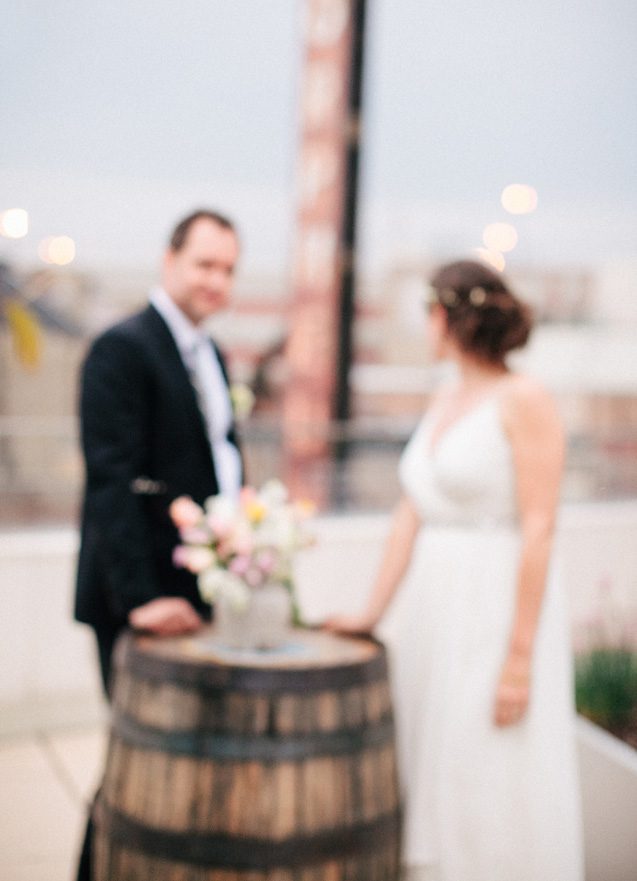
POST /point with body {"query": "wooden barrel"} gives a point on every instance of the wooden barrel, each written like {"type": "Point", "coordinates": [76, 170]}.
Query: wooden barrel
{"type": "Point", "coordinates": [246, 767]}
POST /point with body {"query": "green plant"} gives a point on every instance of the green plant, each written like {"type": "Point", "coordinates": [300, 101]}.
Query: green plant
{"type": "Point", "coordinates": [606, 686]}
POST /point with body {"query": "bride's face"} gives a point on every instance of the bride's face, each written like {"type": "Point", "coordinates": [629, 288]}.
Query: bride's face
{"type": "Point", "coordinates": [437, 333]}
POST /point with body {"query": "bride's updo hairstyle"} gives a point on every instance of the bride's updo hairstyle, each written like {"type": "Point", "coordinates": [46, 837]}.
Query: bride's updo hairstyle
{"type": "Point", "coordinates": [483, 315]}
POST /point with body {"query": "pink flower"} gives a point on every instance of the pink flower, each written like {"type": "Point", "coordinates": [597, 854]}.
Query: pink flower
{"type": "Point", "coordinates": [198, 559]}
{"type": "Point", "coordinates": [185, 513]}
{"type": "Point", "coordinates": [242, 540]}
{"type": "Point", "coordinates": [253, 577]}
{"type": "Point", "coordinates": [247, 495]}
{"type": "Point", "coordinates": [220, 526]}
{"type": "Point", "coordinates": [266, 560]}
{"type": "Point", "coordinates": [193, 559]}
{"type": "Point", "coordinates": [240, 565]}
{"type": "Point", "coordinates": [194, 535]}
{"type": "Point", "coordinates": [180, 554]}
{"type": "Point", "coordinates": [223, 550]}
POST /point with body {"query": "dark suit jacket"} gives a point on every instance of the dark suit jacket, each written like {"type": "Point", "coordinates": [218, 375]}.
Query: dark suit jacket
{"type": "Point", "coordinates": [144, 442]}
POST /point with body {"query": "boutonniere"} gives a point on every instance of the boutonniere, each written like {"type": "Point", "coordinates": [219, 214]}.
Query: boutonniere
{"type": "Point", "coordinates": [242, 400]}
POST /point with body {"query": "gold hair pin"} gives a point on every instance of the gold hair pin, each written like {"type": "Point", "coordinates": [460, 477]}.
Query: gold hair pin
{"type": "Point", "coordinates": [477, 296]}
{"type": "Point", "coordinates": [449, 297]}
{"type": "Point", "coordinates": [446, 296]}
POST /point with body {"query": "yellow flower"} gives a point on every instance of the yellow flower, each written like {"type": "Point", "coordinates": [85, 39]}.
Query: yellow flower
{"type": "Point", "coordinates": [255, 511]}
{"type": "Point", "coordinates": [242, 398]}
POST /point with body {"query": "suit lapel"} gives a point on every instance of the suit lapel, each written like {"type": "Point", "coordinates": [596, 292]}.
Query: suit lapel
{"type": "Point", "coordinates": [222, 362]}
{"type": "Point", "coordinates": [166, 347]}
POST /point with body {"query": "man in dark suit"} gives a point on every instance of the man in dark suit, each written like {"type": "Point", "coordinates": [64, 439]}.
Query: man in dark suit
{"type": "Point", "coordinates": [156, 423]}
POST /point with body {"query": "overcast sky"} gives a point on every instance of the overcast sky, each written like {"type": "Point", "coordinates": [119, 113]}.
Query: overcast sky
{"type": "Point", "coordinates": [120, 117]}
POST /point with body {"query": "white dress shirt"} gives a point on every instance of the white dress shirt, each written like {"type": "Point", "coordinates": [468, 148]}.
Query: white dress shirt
{"type": "Point", "coordinates": [204, 369]}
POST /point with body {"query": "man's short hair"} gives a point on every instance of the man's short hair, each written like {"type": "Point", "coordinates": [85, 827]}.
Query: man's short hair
{"type": "Point", "coordinates": [180, 232]}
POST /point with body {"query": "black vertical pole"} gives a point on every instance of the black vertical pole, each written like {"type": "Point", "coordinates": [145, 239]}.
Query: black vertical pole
{"type": "Point", "coordinates": [348, 280]}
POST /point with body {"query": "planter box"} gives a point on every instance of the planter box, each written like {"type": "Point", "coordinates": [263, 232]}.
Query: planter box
{"type": "Point", "coordinates": [609, 795]}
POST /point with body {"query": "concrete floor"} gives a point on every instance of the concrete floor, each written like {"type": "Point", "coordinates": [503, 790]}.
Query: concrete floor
{"type": "Point", "coordinates": [47, 781]}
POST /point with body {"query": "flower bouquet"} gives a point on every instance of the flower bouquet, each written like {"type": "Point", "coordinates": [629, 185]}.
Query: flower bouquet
{"type": "Point", "coordinates": [242, 553]}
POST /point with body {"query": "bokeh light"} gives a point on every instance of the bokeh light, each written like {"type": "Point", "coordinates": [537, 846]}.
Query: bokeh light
{"type": "Point", "coordinates": [500, 237]}
{"type": "Point", "coordinates": [14, 223]}
{"type": "Point", "coordinates": [519, 199]}
{"type": "Point", "coordinates": [58, 250]}
{"type": "Point", "coordinates": [494, 259]}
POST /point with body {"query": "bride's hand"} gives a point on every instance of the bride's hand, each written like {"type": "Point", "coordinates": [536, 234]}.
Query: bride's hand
{"type": "Point", "coordinates": [352, 624]}
{"type": "Point", "coordinates": [512, 695]}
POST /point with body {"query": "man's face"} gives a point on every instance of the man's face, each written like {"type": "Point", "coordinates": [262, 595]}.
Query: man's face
{"type": "Point", "coordinates": [199, 276]}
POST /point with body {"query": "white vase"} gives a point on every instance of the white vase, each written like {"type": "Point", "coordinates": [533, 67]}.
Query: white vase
{"type": "Point", "coordinates": [263, 623]}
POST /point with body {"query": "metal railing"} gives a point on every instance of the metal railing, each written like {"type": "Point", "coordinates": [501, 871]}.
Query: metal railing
{"type": "Point", "coordinates": [41, 469]}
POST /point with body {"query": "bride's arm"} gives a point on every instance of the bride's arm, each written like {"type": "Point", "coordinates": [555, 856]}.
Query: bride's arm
{"type": "Point", "coordinates": [535, 431]}
{"type": "Point", "coordinates": [405, 524]}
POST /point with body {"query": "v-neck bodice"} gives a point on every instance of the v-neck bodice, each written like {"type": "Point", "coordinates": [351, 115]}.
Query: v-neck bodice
{"type": "Point", "coordinates": [468, 476]}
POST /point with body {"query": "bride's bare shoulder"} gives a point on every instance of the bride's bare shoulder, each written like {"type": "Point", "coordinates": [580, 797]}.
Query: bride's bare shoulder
{"type": "Point", "coordinates": [526, 400]}
{"type": "Point", "coordinates": [521, 388]}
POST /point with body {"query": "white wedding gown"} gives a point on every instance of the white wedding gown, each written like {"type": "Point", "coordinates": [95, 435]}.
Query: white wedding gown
{"type": "Point", "coordinates": [482, 803]}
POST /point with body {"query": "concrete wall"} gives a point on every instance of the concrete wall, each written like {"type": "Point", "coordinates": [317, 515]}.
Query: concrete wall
{"type": "Point", "coordinates": [48, 670]}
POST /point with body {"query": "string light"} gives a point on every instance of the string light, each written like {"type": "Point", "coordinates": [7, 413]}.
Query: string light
{"type": "Point", "coordinates": [493, 258]}
{"type": "Point", "coordinates": [58, 250]}
{"type": "Point", "coordinates": [500, 237]}
{"type": "Point", "coordinates": [14, 223]}
{"type": "Point", "coordinates": [519, 199]}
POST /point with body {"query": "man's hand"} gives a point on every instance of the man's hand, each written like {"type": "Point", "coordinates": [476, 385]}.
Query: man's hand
{"type": "Point", "coordinates": [165, 616]}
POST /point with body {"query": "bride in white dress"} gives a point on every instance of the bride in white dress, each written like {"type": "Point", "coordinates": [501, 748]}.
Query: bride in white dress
{"type": "Point", "coordinates": [478, 634]}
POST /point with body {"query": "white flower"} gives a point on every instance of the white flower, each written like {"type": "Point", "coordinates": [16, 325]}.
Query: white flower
{"type": "Point", "coordinates": [273, 494]}
{"type": "Point", "coordinates": [235, 591]}
{"type": "Point", "coordinates": [241, 541]}
{"type": "Point", "coordinates": [210, 582]}
{"type": "Point", "coordinates": [197, 558]}
{"type": "Point", "coordinates": [279, 531]}
{"type": "Point", "coordinates": [214, 583]}
{"type": "Point", "coordinates": [222, 506]}
{"type": "Point", "coordinates": [221, 516]}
